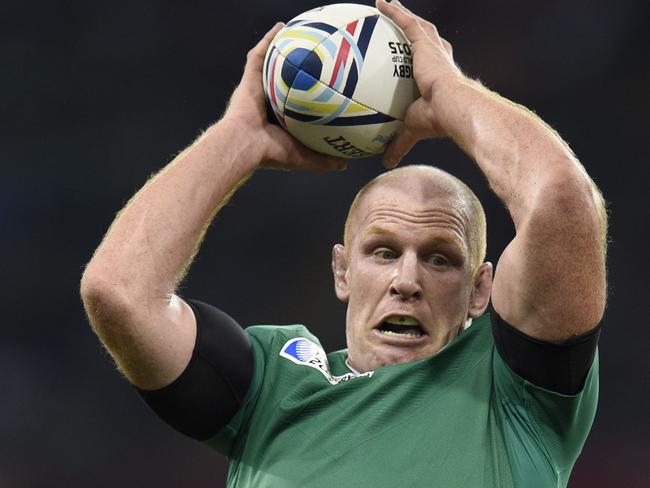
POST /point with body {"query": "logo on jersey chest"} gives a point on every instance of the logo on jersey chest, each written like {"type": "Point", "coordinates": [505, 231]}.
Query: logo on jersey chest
{"type": "Point", "coordinates": [305, 353]}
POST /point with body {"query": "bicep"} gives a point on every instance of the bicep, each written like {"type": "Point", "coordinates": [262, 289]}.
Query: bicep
{"type": "Point", "coordinates": [550, 280]}
{"type": "Point", "coordinates": [212, 388]}
{"type": "Point", "coordinates": [150, 343]}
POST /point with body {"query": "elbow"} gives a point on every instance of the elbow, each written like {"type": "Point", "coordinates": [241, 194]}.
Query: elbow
{"type": "Point", "coordinates": [110, 314]}
{"type": "Point", "coordinates": [91, 287]}
{"type": "Point", "coordinates": [570, 196]}
{"type": "Point", "coordinates": [95, 286]}
{"type": "Point", "coordinates": [104, 301]}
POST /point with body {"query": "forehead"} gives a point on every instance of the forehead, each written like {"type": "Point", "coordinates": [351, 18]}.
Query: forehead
{"type": "Point", "coordinates": [413, 210]}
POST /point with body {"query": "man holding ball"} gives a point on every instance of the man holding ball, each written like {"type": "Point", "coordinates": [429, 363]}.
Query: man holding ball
{"type": "Point", "coordinates": [431, 390]}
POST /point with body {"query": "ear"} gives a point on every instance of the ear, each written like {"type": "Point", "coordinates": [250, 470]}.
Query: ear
{"type": "Point", "coordinates": [480, 297]}
{"type": "Point", "coordinates": [340, 270]}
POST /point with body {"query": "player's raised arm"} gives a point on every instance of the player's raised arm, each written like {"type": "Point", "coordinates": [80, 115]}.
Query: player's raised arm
{"type": "Point", "coordinates": [550, 280]}
{"type": "Point", "coordinates": [128, 286]}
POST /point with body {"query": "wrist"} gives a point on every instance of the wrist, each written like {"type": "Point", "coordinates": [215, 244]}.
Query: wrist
{"type": "Point", "coordinates": [445, 88]}
{"type": "Point", "coordinates": [449, 97]}
{"type": "Point", "coordinates": [235, 137]}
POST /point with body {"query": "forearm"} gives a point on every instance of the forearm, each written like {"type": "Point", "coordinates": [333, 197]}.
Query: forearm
{"type": "Point", "coordinates": [152, 241]}
{"type": "Point", "coordinates": [521, 156]}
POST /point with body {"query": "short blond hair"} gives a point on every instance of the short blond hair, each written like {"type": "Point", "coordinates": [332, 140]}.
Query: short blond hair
{"type": "Point", "coordinates": [477, 235]}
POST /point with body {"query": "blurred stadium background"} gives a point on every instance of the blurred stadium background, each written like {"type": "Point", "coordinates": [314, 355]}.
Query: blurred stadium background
{"type": "Point", "coordinates": [98, 95]}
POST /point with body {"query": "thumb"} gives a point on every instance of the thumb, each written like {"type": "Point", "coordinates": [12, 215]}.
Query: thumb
{"type": "Point", "coordinates": [399, 147]}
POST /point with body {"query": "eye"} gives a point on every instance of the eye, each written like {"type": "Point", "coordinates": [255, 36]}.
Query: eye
{"type": "Point", "coordinates": [438, 260]}
{"type": "Point", "coordinates": [384, 254]}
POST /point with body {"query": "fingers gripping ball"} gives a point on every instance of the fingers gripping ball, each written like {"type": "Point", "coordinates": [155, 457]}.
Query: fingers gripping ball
{"type": "Point", "coordinates": [339, 78]}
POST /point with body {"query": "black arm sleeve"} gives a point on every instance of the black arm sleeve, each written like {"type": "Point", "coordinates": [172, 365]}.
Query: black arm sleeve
{"type": "Point", "coordinates": [561, 367]}
{"type": "Point", "coordinates": [203, 399]}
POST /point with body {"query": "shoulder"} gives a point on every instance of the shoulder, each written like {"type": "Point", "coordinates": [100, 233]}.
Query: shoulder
{"type": "Point", "coordinates": [477, 336]}
{"type": "Point", "coordinates": [289, 341]}
{"type": "Point", "coordinates": [268, 336]}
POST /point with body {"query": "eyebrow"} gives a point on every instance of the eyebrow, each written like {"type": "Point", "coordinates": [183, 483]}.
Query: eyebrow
{"type": "Point", "coordinates": [375, 229]}
{"type": "Point", "coordinates": [378, 230]}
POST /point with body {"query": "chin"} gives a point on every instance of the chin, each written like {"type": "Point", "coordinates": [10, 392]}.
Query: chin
{"type": "Point", "coordinates": [387, 358]}
{"type": "Point", "coordinates": [403, 358]}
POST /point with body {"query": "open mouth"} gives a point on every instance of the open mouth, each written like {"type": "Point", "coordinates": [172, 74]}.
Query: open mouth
{"type": "Point", "coordinates": [401, 326]}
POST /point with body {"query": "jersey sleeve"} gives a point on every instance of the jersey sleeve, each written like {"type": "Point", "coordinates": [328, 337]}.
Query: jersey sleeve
{"type": "Point", "coordinates": [544, 429]}
{"type": "Point", "coordinates": [264, 340]}
{"type": "Point", "coordinates": [230, 437]}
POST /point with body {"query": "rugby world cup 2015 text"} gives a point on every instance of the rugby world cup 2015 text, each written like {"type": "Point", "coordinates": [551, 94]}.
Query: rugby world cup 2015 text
{"type": "Point", "coordinates": [402, 59]}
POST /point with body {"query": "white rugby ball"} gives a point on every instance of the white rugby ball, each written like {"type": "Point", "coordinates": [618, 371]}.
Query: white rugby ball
{"type": "Point", "coordinates": [340, 78]}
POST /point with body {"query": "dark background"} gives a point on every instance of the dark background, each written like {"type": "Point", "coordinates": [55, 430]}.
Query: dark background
{"type": "Point", "coordinates": [95, 96]}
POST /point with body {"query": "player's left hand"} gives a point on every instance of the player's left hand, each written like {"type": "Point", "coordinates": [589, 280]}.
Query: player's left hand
{"type": "Point", "coordinates": [433, 62]}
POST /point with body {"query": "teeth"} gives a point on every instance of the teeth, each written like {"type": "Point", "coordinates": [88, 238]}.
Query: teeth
{"type": "Point", "coordinates": [414, 335]}
{"type": "Point", "coordinates": [401, 320]}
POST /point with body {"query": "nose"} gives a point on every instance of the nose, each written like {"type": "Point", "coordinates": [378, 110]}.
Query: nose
{"type": "Point", "coordinates": [406, 282]}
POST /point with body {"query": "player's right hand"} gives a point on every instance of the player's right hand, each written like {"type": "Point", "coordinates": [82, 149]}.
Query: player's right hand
{"type": "Point", "coordinates": [247, 109]}
{"type": "Point", "coordinates": [433, 63]}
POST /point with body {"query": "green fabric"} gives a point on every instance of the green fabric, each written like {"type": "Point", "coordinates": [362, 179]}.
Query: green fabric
{"type": "Point", "coordinates": [459, 419]}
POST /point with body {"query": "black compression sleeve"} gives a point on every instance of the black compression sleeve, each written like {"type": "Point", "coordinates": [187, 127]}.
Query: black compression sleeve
{"type": "Point", "coordinates": [203, 399]}
{"type": "Point", "coordinates": [561, 367]}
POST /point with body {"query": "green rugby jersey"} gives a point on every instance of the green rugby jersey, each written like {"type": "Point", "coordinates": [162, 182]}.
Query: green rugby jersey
{"type": "Point", "coordinates": [461, 418]}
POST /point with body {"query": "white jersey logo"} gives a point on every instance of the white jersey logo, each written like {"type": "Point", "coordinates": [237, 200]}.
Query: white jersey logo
{"type": "Point", "coordinates": [305, 353]}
